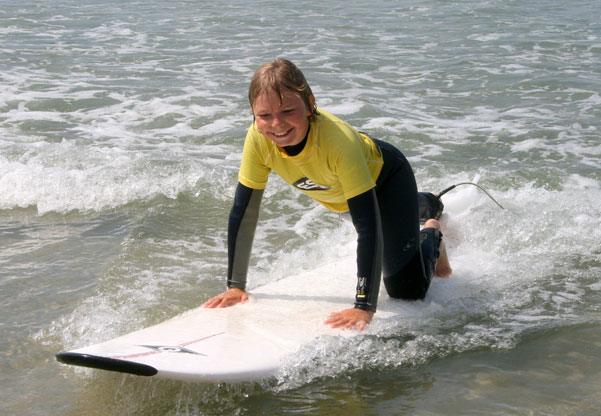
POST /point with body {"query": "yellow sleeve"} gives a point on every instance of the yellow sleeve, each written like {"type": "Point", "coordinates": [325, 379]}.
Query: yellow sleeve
{"type": "Point", "coordinates": [254, 171]}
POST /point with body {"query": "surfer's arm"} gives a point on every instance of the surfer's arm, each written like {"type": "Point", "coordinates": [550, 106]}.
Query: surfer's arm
{"type": "Point", "coordinates": [241, 232]}
{"type": "Point", "coordinates": [366, 219]}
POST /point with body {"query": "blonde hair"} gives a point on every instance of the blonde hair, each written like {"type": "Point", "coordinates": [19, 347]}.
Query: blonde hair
{"type": "Point", "coordinates": [278, 75]}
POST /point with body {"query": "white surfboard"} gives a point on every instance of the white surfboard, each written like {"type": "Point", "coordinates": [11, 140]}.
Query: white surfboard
{"type": "Point", "coordinates": [244, 342]}
{"type": "Point", "coordinates": [248, 341]}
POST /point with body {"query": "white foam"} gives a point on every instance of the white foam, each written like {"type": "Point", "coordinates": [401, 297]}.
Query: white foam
{"type": "Point", "coordinates": [488, 37]}
{"type": "Point", "coordinates": [582, 182]}
{"type": "Point", "coordinates": [348, 107]}
{"type": "Point", "coordinates": [527, 145]}
{"type": "Point", "coordinates": [63, 177]}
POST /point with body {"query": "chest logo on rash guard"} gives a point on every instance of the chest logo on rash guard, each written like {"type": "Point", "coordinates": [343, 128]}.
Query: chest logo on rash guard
{"type": "Point", "coordinates": [306, 184]}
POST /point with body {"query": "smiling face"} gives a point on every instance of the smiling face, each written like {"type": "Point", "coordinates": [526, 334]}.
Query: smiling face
{"type": "Point", "coordinates": [283, 120]}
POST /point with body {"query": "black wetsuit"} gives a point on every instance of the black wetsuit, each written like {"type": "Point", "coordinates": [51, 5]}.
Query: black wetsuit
{"type": "Point", "coordinates": [387, 222]}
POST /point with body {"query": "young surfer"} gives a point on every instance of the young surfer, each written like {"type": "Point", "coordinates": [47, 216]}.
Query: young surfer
{"type": "Point", "coordinates": [344, 170]}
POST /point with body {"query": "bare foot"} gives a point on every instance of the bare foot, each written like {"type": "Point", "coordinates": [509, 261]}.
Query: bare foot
{"type": "Point", "coordinates": [443, 267]}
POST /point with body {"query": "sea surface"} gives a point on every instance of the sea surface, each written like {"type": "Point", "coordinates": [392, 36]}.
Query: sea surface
{"type": "Point", "coordinates": [121, 131]}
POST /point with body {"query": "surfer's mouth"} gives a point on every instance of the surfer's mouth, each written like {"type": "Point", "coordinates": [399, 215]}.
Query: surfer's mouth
{"type": "Point", "coordinates": [281, 135]}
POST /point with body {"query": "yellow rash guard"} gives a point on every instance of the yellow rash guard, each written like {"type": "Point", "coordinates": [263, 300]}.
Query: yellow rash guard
{"type": "Point", "coordinates": [343, 169]}
{"type": "Point", "coordinates": [336, 164]}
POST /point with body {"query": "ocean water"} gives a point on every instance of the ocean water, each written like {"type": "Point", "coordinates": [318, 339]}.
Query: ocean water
{"type": "Point", "coordinates": [121, 130]}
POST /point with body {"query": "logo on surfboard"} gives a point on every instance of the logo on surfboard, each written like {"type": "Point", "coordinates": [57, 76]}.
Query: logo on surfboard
{"type": "Point", "coordinates": [157, 349]}
{"type": "Point", "coordinates": [171, 348]}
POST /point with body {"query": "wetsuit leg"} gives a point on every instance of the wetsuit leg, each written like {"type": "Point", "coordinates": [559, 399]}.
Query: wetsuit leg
{"type": "Point", "coordinates": [409, 255]}
{"type": "Point", "coordinates": [429, 244]}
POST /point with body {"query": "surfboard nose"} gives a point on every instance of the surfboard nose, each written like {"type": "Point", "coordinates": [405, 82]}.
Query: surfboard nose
{"type": "Point", "coordinates": [104, 363]}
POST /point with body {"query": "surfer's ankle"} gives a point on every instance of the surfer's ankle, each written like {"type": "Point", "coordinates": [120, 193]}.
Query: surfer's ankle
{"type": "Point", "coordinates": [443, 267]}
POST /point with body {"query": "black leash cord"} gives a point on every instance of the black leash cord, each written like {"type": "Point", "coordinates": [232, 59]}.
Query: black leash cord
{"type": "Point", "coordinates": [450, 188]}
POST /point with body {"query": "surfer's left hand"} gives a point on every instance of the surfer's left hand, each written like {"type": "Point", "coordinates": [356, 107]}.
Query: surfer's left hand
{"type": "Point", "coordinates": [350, 318]}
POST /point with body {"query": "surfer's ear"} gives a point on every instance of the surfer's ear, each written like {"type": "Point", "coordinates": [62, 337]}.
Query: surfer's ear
{"type": "Point", "coordinates": [312, 110]}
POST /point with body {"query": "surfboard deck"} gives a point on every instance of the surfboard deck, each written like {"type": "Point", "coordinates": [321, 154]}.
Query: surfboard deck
{"type": "Point", "coordinates": [249, 341]}
{"type": "Point", "coordinates": [245, 342]}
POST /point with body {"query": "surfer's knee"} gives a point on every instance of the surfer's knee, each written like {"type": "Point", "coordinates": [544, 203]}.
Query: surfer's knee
{"type": "Point", "coordinates": [405, 289]}
{"type": "Point", "coordinates": [409, 283]}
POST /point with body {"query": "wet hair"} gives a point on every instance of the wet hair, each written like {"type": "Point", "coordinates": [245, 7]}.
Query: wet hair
{"type": "Point", "coordinates": [277, 76]}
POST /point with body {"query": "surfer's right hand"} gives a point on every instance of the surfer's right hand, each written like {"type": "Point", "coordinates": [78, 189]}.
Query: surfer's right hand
{"type": "Point", "coordinates": [228, 298]}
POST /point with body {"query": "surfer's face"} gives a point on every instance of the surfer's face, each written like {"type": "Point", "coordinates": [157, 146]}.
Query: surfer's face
{"type": "Point", "coordinates": [283, 120]}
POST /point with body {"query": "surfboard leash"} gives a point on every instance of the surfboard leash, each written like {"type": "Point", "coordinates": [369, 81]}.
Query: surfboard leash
{"type": "Point", "coordinates": [450, 188]}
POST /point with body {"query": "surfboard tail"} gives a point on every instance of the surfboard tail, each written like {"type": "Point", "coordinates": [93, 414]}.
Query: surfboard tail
{"type": "Point", "coordinates": [104, 363]}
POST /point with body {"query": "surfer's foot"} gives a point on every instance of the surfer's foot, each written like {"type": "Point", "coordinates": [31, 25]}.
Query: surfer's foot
{"type": "Point", "coordinates": [443, 267]}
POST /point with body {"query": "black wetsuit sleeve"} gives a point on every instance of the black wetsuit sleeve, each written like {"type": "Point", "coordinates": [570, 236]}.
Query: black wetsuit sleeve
{"type": "Point", "coordinates": [241, 231]}
{"type": "Point", "coordinates": [366, 219]}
